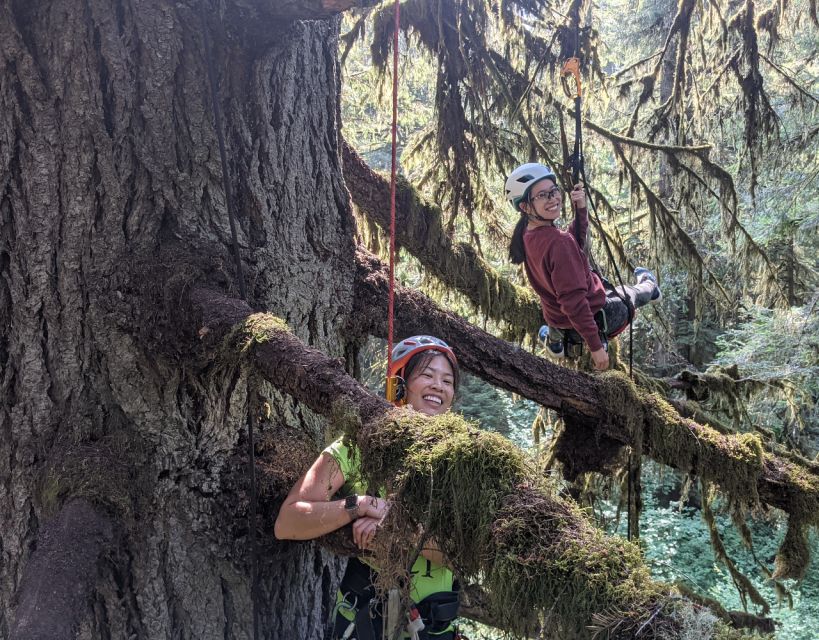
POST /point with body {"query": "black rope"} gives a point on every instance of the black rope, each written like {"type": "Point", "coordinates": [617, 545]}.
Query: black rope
{"type": "Point", "coordinates": [251, 425]}
{"type": "Point", "coordinates": [579, 171]}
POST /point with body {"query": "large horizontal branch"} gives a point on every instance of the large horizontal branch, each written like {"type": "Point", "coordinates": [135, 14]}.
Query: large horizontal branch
{"type": "Point", "coordinates": [536, 551]}
{"type": "Point", "coordinates": [419, 229]}
{"type": "Point", "coordinates": [605, 406]}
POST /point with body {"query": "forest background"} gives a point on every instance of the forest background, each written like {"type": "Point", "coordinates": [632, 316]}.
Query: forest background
{"type": "Point", "coordinates": [739, 296]}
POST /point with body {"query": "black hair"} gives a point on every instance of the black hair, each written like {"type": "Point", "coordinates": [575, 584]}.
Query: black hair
{"type": "Point", "coordinates": [517, 250]}
{"type": "Point", "coordinates": [421, 360]}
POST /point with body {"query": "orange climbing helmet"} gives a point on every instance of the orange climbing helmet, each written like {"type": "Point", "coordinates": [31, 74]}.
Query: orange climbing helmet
{"type": "Point", "coordinates": [403, 352]}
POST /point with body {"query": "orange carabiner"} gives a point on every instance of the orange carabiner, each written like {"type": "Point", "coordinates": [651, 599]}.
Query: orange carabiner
{"type": "Point", "coordinates": [571, 68]}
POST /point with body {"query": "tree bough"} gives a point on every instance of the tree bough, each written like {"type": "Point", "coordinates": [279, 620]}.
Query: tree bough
{"type": "Point", "coordinates": [541, 558]}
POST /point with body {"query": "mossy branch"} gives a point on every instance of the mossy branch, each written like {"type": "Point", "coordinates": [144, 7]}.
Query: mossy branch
{"type": "Point", "coordinates": [419, 229]}
{"type": "Point", "coordinates": [607, 407]}
{"type": "Point", "coordinates": [474, 492]}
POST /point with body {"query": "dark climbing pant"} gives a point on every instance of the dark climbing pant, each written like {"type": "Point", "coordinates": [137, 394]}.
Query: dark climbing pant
{"type": "Point", "coordinates": [615, 309]}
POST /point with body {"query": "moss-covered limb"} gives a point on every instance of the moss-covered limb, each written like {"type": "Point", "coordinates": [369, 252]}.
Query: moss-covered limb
{"type": "Point", "coordinates": [56, 586]}
{"type": "Point", "coordinates": [567, 568]}
{"type": "Point", "coordinates": [419, 229]}
{"type": "Point", "coordinates": [607, 406]}
{"type": "Point", "coordinates": [541, 561]}
{"type": "Point", "coordinates": [471, 490]}
{"type": "Point", "coordinates": [280, 357]}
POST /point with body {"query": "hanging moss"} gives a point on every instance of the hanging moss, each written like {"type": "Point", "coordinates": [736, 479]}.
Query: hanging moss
{"type": "Point", "coordinates": [741, 582]}
{"type": "Point", "coordinates": [549, 557]}
{"type": "Point", "coordinates": [793, 557]}
{"type": "Point", "coordinates": [452, 478]}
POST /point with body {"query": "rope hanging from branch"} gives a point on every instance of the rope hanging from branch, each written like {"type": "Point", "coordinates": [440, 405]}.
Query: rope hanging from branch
{"type": "Point", "coordinates": [392, 381]}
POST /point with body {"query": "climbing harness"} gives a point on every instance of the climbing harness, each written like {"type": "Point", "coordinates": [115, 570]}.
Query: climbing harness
{"type": "Point", "coordinates": [571, 69]}
{"type": "Point", "coordinates": [251, 425]}
{"type": "Point", "coordinates": [392, 382]}
{"type": "Point", "coordinates": [428, 619]}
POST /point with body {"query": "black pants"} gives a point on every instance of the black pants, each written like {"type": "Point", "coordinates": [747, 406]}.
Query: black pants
{"type": "Point", "coordinates": [615, 309]}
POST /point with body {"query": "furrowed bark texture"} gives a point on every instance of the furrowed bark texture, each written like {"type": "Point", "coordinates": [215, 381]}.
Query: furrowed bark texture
{"type": "Point", "coordinates": [306, 9]}
{"type": "Point", "coordinates": [596, 425]}
{"type": "Point", "coordinates": [61, 572]}
{"type": "Point", "coordinates": [109, 174]}
{"type": "Point", "coordinates": [419, 229]}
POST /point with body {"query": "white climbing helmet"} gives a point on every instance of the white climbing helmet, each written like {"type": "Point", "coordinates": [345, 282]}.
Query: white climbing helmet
{"type": "Point", "coordinates": [520, 181]}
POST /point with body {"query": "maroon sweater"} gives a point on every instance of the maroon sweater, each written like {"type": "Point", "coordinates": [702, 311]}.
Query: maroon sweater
{"type": "Point", "coordinates": [559, 272]}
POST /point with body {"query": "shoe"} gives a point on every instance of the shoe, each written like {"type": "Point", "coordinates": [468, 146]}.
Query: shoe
{"type": "Point", "coordinates": [642, 274]}
{"type": "Point", "coordinates": [555, 348]}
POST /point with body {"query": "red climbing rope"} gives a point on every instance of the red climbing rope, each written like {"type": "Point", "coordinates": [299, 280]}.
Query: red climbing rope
{"type": "Point", "coordinates": [391, 303]}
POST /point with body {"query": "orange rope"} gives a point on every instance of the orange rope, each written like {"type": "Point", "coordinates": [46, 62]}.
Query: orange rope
{"type": "Point", "coordinates": [391, 303]}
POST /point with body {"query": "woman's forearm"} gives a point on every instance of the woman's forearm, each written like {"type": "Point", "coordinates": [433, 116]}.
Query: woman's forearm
{"type": "Point", "coordinates": [305, 520]}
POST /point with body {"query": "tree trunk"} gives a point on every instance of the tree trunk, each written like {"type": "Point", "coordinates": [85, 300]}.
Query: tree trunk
{"type": "Point", "coordinates": [109, 175]}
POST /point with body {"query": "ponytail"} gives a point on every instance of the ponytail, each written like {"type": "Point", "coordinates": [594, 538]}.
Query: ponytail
{"type": "Point", "coordinates": [517, 250]}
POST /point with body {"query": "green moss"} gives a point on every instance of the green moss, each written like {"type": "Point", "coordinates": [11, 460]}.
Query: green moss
{"type": "Point", "coordinates": [448, 476]}
{"type": "Point", "coordinates": [793, 557]}
{"type": "Point", "coordinates": [259, 327]}
{"type": "Point", "coordinates": [620, 397]}
{"type": "Point", "coordinates": [734, 462]}
{"type": "Point", "coordinates": [549, 557]}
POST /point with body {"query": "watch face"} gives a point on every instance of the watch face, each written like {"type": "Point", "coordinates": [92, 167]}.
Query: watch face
{"type": "Point", "coordinates": [351, 503]}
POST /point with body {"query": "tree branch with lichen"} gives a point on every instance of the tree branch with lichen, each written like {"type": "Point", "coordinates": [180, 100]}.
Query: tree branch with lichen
{"type": "Point", "coordinates": [606, 409]}
{"type": "Point", "coordinates": [530, 547]}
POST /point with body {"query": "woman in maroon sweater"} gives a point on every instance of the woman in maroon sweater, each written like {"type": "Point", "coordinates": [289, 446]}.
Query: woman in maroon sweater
{"type": "Point", "coordinates": [558, 267]}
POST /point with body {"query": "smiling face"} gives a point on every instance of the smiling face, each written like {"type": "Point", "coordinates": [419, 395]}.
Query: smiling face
{"type": "Point", "coordinates": [544, 201]}
{"type": "Point", "coordinates": [431, 386]}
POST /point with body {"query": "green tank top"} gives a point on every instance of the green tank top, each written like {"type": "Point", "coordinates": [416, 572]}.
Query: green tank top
{"type": "Point", "coordinates": [427, 577]}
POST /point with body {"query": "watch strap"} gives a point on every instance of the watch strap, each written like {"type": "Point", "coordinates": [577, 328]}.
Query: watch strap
{"type": "Point", "coordinates": [351, 506]}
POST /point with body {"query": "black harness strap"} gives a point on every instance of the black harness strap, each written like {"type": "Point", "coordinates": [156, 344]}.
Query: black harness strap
{"type": "Point", "coordinates": [438, 610]}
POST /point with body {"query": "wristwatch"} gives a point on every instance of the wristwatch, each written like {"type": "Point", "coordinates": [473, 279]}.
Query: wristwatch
{"type": "Point", "coordinates": [351, 506]}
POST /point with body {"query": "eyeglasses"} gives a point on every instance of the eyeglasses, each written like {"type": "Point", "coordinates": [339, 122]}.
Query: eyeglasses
{"type": "Point", "coordinates": [554, 192]}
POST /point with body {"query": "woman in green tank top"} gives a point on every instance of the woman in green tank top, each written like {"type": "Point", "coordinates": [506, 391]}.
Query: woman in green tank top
{"type": "Point", "coordinates": [331, 494]}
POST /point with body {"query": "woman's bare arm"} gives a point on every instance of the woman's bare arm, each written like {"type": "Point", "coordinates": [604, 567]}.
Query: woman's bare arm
{"type": "Point", "coordinates": [308, 512]}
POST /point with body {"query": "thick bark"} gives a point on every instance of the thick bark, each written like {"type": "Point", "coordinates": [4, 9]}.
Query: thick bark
{"type": "Point", "coordinates": [596, 423]}
{"type": "Point", "coordinates": [419, 229]}
{"type": "Point", "coordinates": [61, 572]}
{"type": "Point", "coordinates": [109, 173]}
{"type": "Point", "coordinates": [307, 9]}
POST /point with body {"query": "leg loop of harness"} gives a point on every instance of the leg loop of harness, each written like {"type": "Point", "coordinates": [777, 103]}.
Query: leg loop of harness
{"type": "Point", "coordinates": [437, 611]}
